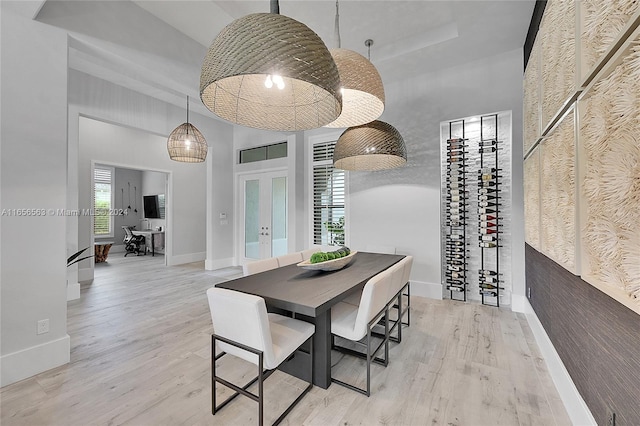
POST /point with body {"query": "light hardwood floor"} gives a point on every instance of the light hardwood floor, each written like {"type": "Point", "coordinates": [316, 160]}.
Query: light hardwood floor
{"type": "Point", "coordinates": [140, 338]}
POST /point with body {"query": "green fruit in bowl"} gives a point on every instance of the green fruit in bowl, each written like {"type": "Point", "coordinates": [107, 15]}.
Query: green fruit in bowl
{"type": "Point", "coordinates": [318, 257]}
{"type": "Point", "coordinates": [331, 255]}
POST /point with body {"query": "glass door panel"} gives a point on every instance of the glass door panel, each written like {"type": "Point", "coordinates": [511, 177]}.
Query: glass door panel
{"type": "Point", "coordinates": [279, 216]}
{"type": "Point", "coordinates": [252, 219]}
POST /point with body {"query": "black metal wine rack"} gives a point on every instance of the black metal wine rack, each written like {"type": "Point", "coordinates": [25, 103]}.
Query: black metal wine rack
{"type": "Point", "coordinates": [456, 206]}
{"type": "Point", "coordinates": [489, 227]}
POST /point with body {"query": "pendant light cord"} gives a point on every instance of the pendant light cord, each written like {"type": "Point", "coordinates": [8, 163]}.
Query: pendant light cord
{"type": "Point", "coordinates": [337, 27]}
{"type": "Point", "coordinates": [275, 7]}
{"type": "Point", "coordinates": [368, 42]}
{"type": "Point", "coordinates": [187, 114]}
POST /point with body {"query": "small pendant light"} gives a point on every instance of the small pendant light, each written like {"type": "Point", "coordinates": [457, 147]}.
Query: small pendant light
{"type": "Point", "coordinates": [186, 144]}
{"type": "Point", "coordinates": [268, 71]}
{"type": "Point", "coordinates": [372, 146]}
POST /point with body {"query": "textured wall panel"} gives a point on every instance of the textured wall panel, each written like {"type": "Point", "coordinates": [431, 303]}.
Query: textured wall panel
{"type": "Point", "coordinates": [602, 23]}
{"type": "Point", "coordinates": [557, 36]}
{"type": "Point", "coordinates": [531, 106]}
{"type": "Point", "coordinates": [532, 199]}
{"type": "Point", "coordinates": [610, 138]}
{"type": "Point", "coordinates": [558, 194]}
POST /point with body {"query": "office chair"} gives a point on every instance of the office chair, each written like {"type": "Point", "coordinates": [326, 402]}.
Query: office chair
{"type": "Point", "coordinates": [132, 242]}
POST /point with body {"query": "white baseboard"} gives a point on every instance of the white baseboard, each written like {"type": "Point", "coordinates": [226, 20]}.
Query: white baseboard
{"type": "Point", "coordinates": [119, 248]}
{"type": "Point", "coordinates": [73, 291]}
{"type": "Point", "coordinates": [213, 264]}
{"type": "Point", "coordinates": [577, 409]}
{"type": "Point", "coordinates": [186, 258]}
{"type": "Point", "coordinates": [85, 274]}
{"type": "Point", "coordinates": [519, 303]}
{"type": "Point", "coordinates": [424, 289]}
{"type": "Point", "coordinates": [28, 362]}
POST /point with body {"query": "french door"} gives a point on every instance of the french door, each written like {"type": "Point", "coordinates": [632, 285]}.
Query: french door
{"type": "Point", "coordinates": [263, 229]}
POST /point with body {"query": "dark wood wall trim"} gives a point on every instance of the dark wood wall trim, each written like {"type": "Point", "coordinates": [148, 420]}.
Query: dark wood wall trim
{"type": "Point", "coordinates": [597, 338]}
{"type": "Point", "coordinates": [534, 25]}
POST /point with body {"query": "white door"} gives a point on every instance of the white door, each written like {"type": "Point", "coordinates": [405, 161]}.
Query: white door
{"type": "Point", "coordinates": [263, 230]}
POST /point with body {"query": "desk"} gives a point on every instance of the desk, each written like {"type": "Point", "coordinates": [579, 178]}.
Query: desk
{"type": "Point", "coordinates": [101, 250]}
{"type": "Point", "coordinates": [311, 294]}
{"type": "Point", "coordinates": [148, 234]}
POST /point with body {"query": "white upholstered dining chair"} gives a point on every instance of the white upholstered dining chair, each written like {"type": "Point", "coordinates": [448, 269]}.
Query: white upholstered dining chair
{"type": "Point", "coordinates": [289, 259]}
{"type": "Point", "coordinates": [259, 266]}
{"type": "Point", "coordinates": [243, 328]}
{"type": "Point", "coordinates": [355, 323]}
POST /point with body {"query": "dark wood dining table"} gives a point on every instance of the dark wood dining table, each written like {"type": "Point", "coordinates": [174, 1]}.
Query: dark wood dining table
{"type": "Point", "coordinates": [310, 296]}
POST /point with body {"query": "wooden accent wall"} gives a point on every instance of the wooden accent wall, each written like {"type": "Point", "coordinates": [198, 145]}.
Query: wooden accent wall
{"type": "Point", "coordinates": [597, 338]}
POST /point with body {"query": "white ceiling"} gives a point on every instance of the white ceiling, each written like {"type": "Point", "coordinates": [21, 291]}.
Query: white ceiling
{"type": "Point", "coordinates": [157, 47]}
{"type": "Point", "coordinates": [423, 34]}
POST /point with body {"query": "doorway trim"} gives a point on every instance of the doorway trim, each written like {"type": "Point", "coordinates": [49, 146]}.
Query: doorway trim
{"type": "Point", "coordinates": [239, 212]}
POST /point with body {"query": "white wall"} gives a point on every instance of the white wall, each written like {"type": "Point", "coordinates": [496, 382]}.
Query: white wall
{"type": "Point", "coordinates": [33, 176]}
{"type": "Point", "coordinates": [153, 183]}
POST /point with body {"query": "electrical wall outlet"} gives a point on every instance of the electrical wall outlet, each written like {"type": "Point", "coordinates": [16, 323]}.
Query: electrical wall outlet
{"type": "Point", "coordinates": [43, 326]}
{"type": "Point", "coordinates": [529, 292]}
{"type": "Point", "coordinates": [611, 418]}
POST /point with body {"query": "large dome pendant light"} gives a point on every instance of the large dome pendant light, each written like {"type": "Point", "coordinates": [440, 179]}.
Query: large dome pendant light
{"type": "Point", "coordinates": [186, 144]}
{"type": "Point", "coordinates": [268, 71]}
{"type": "Point", "coordinates": [362, 89]}
{"type": "Point", "coordinates": [372, 146]}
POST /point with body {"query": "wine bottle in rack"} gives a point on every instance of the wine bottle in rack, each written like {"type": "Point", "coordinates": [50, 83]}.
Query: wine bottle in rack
{"type": "Point", "coordinates": [488, 197]}
{"type": "Point", "coordinates": [487, 225]}
{"type": "Point", "coordinates": [487, 170]}
{"type": "Point", "coordinates": [489, 280]}
{"type": "Point", "coordinates": [457, 166]}
{"type": "Point", "coordinates": [490, 287]}
{"type": "Point", "coordinates": [456, 244]}
{"type": "Point", "coordinates": [487, 190]}
{"type": "Point", "coordinates": [486, 150]}
{"type": "Point", "coordinates": [452, 255]}
{"type": "Point", "coordinates": [487, 204]}
{"type": "Point", "coordinates": [489, 293]}
{"type": "Point", "coordinates": [488, 176]}
{"type": "Point", "coordinates": [455, 217]}
{"type": "Point", "coordinates": [487, 217]}
{"type": "Point", "coordinates": [484, 210]}
{"type": "Point", "coordinates": [455, 288]}
{"type": "Point", "coordinates": [456, 250]}
{"type": "Point", "coordinates": [488, 143]}
{"type": "Point", "coordinates": [486, 183]}
{"type": "Point", "coordinates": [455, 151]}
{"type": "Point", "coordinates": [488, 231]}
{"type": "Point", "coordinates": [488, 238]}
{"type": "Point", "coordinates": [487, 244]}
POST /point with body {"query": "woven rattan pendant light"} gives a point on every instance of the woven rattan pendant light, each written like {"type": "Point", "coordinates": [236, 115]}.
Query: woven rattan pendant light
{"type": "Point", "coordinates": [186, 144]}
{"type": "Point", "coordinates": [361, 85]}
{"type": "Point", "coordinates": [372, 146]}
{"type": "Point", "coordinates": [268, 71]}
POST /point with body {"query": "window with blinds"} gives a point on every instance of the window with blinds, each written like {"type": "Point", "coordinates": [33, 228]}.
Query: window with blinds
{"type": "Point", "coordinates": [103, 201]}
{"type": "Point", "coordinates": [328, 196]}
